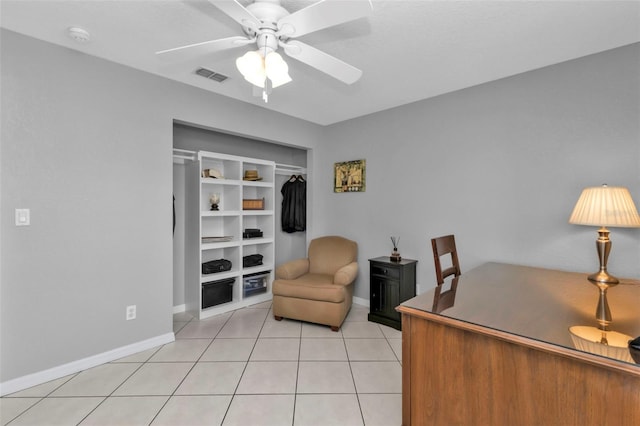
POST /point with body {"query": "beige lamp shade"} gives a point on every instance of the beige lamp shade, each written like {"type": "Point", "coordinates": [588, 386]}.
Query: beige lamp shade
{"type": "Point", "coordinates": [606, 206]}
{"type": "Point", "coordinates": [588, 339]}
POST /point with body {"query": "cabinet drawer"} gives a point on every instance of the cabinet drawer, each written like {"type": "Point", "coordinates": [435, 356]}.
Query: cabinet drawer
{"type": "Point", "coordinates": [385, 271]}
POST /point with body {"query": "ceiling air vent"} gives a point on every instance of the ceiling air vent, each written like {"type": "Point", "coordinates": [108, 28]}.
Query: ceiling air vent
{"type": "Point", "coordinates": [211, 75]}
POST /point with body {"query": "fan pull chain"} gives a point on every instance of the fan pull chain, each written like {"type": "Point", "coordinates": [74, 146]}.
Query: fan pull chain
{"type": "Point", "coordinates": [265, 95]}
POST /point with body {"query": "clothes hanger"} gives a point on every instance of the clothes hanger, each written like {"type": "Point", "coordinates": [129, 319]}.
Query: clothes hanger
{"type": "Point", "coordinates": [300, 178]}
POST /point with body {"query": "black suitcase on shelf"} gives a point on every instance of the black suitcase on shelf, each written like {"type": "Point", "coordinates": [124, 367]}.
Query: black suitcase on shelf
{"type": "Point", "coordinates": [251, 260]}
{"type": "Point", "coordinates": [214, 266]}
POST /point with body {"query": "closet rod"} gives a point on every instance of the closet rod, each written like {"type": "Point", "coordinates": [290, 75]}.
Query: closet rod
{"type": "Point", "coordinates": [287, 169]}
{"type": "Point", "coordinates": [184, 154]}
{"type": "Point", "coordinates": [290, 172]}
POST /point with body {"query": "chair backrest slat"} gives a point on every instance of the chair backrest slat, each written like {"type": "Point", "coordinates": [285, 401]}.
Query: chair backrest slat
{"type": "Point", "coordinates": [443, 246]}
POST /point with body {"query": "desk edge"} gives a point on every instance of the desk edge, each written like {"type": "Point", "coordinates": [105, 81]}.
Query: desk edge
{"type": "Point", "coordinates": [611, 364]}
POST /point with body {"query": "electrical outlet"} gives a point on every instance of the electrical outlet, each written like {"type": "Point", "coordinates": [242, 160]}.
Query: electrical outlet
{"type": "Point", "coordinates": [131, 312]}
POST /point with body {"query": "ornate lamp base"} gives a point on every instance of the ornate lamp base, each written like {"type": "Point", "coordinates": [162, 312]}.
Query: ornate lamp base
{"type": "Point", "coordinates": [603, 280]}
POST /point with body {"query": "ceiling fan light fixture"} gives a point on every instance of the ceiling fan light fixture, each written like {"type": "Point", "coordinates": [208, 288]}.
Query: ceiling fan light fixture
{"type": "Point", "coordinates": [276, 69]}
{"type": "Point", "coordinates": [255, 69]}
{"type": "Point", "coordinates": [251, 66]}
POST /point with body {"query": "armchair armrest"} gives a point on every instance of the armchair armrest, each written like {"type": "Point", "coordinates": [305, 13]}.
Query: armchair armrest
{"type": "Point", "coordinates": [346, 274]}
{"type": "Point", "coordinates": [292, 269]}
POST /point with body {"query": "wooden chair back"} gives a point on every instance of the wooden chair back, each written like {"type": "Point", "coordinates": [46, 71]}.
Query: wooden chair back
{"type": "Point", "coordinates": [442, 246]}
{"type": "Point", "coordinates": [444, 299]}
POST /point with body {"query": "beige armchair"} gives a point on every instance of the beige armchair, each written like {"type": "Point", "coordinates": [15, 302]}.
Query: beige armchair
{"type": "Point", "coordinates": [319, 288]}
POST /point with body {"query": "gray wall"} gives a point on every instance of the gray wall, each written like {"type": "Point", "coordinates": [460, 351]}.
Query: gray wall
{"type": "Point", "coordinates": [179, 177]}
{"type": "Point", "coordinates": [87, 146]}
{"type": "Point", "coordinates": [499, 165]}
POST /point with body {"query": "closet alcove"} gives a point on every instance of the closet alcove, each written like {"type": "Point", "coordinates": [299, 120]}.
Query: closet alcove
{"type": "Point", "coordinates": [188, 140]}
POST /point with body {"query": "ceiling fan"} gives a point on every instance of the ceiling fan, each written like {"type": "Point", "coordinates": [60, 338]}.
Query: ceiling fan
{"type": "Point", "coordinates": [270, 26]}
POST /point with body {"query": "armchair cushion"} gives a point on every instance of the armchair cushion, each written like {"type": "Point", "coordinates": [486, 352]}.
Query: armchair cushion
{"type": "Point", "coordinates": [314, 287]}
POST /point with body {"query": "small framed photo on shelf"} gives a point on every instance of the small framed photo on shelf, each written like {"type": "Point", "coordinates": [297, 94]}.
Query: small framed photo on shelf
{"type": "Point", "coordinates": [349, 176]}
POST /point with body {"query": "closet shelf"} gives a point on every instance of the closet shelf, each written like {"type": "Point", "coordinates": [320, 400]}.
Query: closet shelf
{"type": "Point", "coordinates": [251, 241]}
{"type": "Point", "coordinates": [213, 181]}
{"type": "Point", "coordinates": [212, 246]}
{"type": "Point", "coordinates": [212, 213]}
{"type": "Point", "coordinates": [257, 183]}
{"type": "Point", "coordinates": [257, 212]}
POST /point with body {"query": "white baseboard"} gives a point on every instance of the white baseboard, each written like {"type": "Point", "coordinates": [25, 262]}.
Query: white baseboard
{"type": "Point", "coordinates": [44, 376]}
{"type": "Point", "coordinates": [179, 309]}
{"type": "Point", "coordinates": [361, 301]}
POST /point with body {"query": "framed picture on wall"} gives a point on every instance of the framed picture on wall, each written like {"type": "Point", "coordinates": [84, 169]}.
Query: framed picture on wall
{"type": "Point", "coordinates": [349, 176]}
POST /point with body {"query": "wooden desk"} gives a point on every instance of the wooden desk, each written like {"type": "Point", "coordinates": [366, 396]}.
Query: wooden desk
{"type": "Point", "coordinates": [502, 353]}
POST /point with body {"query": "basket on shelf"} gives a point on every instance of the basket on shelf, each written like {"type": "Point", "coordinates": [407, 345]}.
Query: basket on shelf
{"type": "Point", "coordinates": [253, 204]}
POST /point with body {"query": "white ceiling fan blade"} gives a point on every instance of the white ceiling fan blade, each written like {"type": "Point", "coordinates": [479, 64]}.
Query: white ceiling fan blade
{"type": "Point", "coordinates": [318, 59]}
{"type": "Point", "coordinates": [206, 47]}
{"type": "Point", "coordinates": [238, 13]}
{"type": "Point", "coordinates": [324, 14]}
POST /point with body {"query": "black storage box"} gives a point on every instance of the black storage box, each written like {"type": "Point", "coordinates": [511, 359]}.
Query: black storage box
{"type": "Point", "coordinates": [217, 292]}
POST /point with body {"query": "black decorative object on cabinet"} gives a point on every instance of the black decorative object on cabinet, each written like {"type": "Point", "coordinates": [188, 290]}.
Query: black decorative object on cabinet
{"type": "Point", "coordinates": [390, 283]}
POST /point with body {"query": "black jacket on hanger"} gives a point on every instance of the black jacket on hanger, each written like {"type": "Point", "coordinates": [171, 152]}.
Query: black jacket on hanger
{"type": "Point", "coordinates": [294, 204]}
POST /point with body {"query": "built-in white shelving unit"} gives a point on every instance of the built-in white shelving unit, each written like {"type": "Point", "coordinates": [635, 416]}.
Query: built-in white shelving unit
{"type": "Point", "coordinates": [226, 226]}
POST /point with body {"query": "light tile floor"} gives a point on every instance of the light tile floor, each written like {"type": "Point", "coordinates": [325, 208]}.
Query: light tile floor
{"type": "Point", "coordinates": [239, 368]}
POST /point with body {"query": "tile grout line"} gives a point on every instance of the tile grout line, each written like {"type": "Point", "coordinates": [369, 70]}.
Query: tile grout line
{"type": "Point", "coordinates": [245, 365]}
{"type": "Point", "coordinates": [128, 377]}
{"type": "Point", "coordinates": [295, 390]}
{"type": "Point", "coordinates": [116, 388]}
{"type": "Point", "coordinates": [188, 372]}
{"type": "Point", "coordinates": [353, 379]}
{"type": "Point", "coordinates": [41, 398]}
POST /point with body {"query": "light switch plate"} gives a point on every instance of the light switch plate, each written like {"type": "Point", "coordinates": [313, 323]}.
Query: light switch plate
{"type": "Point", "coordinates": [23, 217]}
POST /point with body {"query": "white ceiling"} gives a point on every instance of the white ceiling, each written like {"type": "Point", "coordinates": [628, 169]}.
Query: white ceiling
{"type": "Point", "coordinates": [408, 50]}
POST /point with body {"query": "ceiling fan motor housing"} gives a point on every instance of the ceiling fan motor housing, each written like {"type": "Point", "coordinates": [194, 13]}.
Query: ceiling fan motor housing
{"type": "Point", "coordinates": [267, 42]}
{"type": "Point", "coordinates": [268, 12]}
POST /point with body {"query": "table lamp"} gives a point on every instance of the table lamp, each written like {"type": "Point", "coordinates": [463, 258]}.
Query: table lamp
{"type": "Point", "coordinates": [605, 206]}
